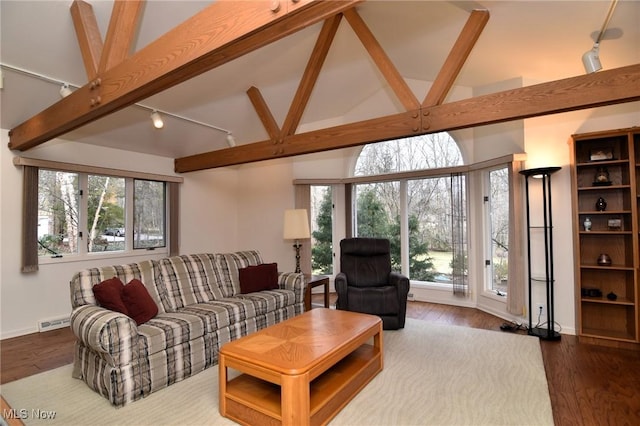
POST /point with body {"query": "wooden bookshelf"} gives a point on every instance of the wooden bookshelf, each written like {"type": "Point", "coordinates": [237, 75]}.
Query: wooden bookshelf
{"type": "Point", "coordinates": [607, 293]}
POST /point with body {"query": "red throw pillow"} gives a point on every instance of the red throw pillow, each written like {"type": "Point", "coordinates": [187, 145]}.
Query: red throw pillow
{"type": "Point", "coordinates": [138, 301]}
{"type": "Point", "coordinates": [109, 295]}
{"type": "Point", "coordinates": [258, 277]}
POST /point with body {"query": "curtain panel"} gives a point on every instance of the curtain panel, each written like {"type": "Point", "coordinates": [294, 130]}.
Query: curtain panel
{"type": "Point", "coordinates": [174, 218]}
{"type": "Point", "coordinates": [30, 219]}
{"type": "Point", "coordinates": [459, 272]}
{"type": "Point", "coordinates": [516, 282]}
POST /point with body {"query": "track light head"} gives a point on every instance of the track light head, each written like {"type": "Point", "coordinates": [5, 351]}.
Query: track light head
{"type": "Point", "coordinates": [591, 59]}
{"type": "Point", "coordinates": [157, 120]}
{"type": "Point", "coordinates": [65, 90]}
{"type": "Point", "coordinates": [231, 140]}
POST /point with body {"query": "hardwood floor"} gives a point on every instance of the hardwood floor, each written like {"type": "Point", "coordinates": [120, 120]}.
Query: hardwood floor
{"type": "Point", "coordinates": [588, 384]}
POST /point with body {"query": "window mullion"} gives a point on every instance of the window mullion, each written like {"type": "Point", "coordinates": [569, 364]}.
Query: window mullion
{"type": "Point", "coordinates": [128, 214]}
{"type": "Point", "coordinates": [404, 228]}
{"type": "Point", "coordinates": [83, 213]}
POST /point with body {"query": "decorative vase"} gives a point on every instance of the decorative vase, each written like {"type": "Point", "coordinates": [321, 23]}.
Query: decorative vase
{"type": "Point", "coordinates": [601, 204]}
{"type": "Point", "coordinates": [587, 224]}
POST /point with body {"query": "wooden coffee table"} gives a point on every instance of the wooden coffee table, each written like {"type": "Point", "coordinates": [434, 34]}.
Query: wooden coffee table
{"type": "Point", "coordinates": [302, 371]}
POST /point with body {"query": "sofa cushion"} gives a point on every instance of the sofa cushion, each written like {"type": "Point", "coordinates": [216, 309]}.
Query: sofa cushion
{"type": "Point", "coordinates": [259, 277]}
{"type": "Point", "coordinates": [168, 330]}
{"type": "Point", "coordinates": [230, 264]}
{"type": "Point", "coordinates": [140, 306]}
{"type": "Point", "coordinates": [214, 315]}
{"type": "Point", "coordinates": [269, 300]}
{"type": "Point", "coordinates": [190, 279]}
{"type": "Point", "coordinates": [108, 293]}
{"type": "Point", "coordinates": [146, 271]}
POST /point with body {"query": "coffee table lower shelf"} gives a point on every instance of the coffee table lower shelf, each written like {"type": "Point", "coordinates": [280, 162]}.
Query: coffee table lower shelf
{"type": "Point", "coordinates": [250, 400]}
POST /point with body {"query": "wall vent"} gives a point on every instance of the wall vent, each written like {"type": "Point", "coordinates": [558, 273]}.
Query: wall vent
{"type": "Point", "coordinates": [53, 324]}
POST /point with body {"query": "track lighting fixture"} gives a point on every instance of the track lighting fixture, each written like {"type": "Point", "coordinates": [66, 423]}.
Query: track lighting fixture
{"type": "Point", "coordinates": [591, 58]}
{"type": "Point", "coordinates": [231, 140]}
{"type": "Point", "coordinates": [65, 90]}
{"type": "Point", "coordinates": [157, 120]}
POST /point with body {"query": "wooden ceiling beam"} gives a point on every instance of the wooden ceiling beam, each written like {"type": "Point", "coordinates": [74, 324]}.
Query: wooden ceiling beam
{"type": "Point", "coordinates": [223, 31]}
{"type": "Point", "coordinates": [310, 76]}
{"type": "Point", "coordinates": [457, 57]}
{"type": "Point", "coordinates": [88, 35]}
{"type": "Point", "coordinates": [264, 113]}
{"type": "Point", "coordinates": [122, 29]}
{"type": "Point", "coordinates": [603, 88]}
{"type": "Point", "coordinates": [609, 87]}
{"type": "Point", "coordinates": [393, 126]}
{"type": "Point", "coordinates": [379, 56]}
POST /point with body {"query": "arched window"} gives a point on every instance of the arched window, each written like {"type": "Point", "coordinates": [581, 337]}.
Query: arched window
{"type": "Point", "coordinates": [422, 214]}
{"type": "Point", "coordinates": [412, 153]}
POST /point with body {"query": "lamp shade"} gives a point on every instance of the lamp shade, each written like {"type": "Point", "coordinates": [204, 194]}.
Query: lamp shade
{"type": "Point", "coordinates": [296, 224]}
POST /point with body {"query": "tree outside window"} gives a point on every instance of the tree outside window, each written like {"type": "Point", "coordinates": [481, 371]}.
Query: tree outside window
{"type": "Point", "coordinates": [76, 207]}
{"type": "Point", "coordinates": [429, 203]}
{"type": "Point", "coordinates": [322, 230]}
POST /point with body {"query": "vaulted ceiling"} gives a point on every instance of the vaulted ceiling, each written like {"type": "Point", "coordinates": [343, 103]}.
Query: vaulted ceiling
{"type": "Point", "coordinates": [534, 40]}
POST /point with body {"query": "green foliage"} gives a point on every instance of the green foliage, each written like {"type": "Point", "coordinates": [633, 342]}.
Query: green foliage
{"type": "Point", "coordinates": [374, 222]}
{"type": "Point", "coordinates": [372, 218]}
{"type": "Point", "coordinates": [322, 251]}
{"type": "Point", "coordinates": [50, 244]}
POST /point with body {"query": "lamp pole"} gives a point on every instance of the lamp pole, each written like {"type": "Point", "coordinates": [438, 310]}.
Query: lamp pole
{"type": "Point", "coordinates": [297, 246]}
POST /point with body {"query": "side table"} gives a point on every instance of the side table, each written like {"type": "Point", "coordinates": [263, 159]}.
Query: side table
{"type": "Point", "coordinates": [315, 281]}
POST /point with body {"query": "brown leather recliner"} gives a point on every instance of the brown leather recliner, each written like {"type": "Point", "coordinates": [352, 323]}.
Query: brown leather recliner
{"type": "Point", "coordinates": [366, 283]}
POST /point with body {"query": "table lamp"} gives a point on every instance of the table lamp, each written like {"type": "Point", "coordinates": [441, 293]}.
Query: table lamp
{"type": "Point", "coordinates": [296, 227]}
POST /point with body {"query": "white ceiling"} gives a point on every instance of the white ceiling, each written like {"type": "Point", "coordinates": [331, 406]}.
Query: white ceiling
{"type": "Point", "coordinates": [536, 40]}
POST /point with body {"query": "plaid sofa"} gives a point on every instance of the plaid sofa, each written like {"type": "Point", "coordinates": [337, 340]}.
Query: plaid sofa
{"type": "Point", "coordinates": [200, 308]}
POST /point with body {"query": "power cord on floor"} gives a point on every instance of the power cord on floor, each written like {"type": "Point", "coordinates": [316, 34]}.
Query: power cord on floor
{"type": "Point", "coordinates": [512, 326]}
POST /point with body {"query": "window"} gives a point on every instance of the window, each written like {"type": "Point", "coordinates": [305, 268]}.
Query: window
{"type": "Point", "coordinates": [81, 213]}
{"type": "Point", "coordinates": [105, 213]}
{"type": "Point", "coordinates": [149, 214]}
{"type": "Point", "coordinates": [496, 212]}
{"type": "Point", "coordinates": [322, 229]}
{"type": "Point", "coordinates": [418, 214]}
{"type": "Point", "coordinates": [58, 207]}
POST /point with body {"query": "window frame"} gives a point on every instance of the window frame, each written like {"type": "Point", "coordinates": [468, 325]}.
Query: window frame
{"type": "Point", "coordinates": [343, 211]}
{"type": "Point", "coordinates": [31, 260]}
{"type": "Point", "coordinates": [487, 226]}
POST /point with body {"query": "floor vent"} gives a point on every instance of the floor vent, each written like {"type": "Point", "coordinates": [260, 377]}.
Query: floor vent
{"type": "Point", "coordinates": [52, 324]}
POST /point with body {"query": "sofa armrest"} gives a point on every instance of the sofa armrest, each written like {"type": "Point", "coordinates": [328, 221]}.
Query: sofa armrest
{"type": "Point", "coordinates": [293, 281]}
{"type": "Point", "coordinates": [112, 334]}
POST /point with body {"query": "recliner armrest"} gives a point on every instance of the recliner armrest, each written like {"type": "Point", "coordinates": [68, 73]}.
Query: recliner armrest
{"type": "Point", "coordinates": [400, 281]}
{"type": "Point", "coordinates": [340, 284]}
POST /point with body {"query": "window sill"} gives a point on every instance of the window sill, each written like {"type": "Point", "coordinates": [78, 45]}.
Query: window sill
{"type": "Point", "coordinates": [428, 285]}
{"type": "Point", "coordinates": [492, 295]}
{"type": "Point", "coordinates": [130, 255]}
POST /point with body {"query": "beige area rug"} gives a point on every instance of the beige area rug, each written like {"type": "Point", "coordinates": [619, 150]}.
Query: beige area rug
{"type": "Point", "coordinates": [433, 375]}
